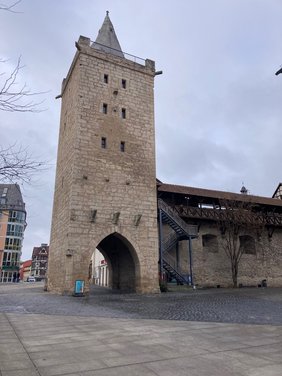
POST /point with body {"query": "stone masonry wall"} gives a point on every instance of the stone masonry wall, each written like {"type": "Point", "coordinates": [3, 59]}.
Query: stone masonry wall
{"type": "Point", "coordinates": [107, 180]}
{"type": "Point", "coordinates": [212, 268]}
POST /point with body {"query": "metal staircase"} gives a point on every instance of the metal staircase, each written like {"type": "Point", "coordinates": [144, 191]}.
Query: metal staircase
{"type": "Point", "coordinates": [171, 217]}
{"type": "Point", "coordinates": [182, 231]}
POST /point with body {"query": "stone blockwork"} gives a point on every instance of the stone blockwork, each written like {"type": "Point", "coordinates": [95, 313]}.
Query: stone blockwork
{"type": "Point", "coordinates": [212, 267]}
{"type": "Point", "coordinates": [105, 180]}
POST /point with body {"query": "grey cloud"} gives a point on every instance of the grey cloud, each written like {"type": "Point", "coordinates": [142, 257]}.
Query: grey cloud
{"type": "Point", "coordinates": [218, 103]}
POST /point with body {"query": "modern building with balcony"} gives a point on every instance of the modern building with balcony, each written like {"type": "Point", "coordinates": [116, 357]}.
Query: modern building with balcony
{"type": "Point", "coordinates": [12, 226]}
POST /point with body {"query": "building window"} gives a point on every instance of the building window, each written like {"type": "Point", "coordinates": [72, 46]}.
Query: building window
{"type": "Point", "coordinates": [247, 244]}
{"type": "Point", "coordinates": [122, 146]}
{"type": "Point", "coordinates": [13, 244]}
{"type": "Point", "coordinates": [5, 190]}
{"type": "Point", "coordinates": [16, 216]}
{"type": "Point", "coordinates": [105, 108]}
{"type": "Point", "coordinates": [103, 142]}
{"type": "Point", "coordinates": [123, 84]}
{"type": "Point", "coordinates": [15, 230]}
{"type": "Point", "coordinates": [106, 78]}
{"type": "Point", "coordinates": [123, 113]}
{"type": "Point", "coordinates": [210, 243]}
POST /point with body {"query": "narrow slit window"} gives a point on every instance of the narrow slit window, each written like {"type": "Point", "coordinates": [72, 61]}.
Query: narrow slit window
{"type": "Point", "coordinates": [105, 108]}
{"type": "Point", "coordinates": [122, 146]}
{"type": "Point", "coordinates": [103, 142]}
{"type": "Point", "coordinates": [106, 78]}
{"type": "Point", "coordinates": [123, 113]}
{"type": "Point", "coordinates": [123, 84]}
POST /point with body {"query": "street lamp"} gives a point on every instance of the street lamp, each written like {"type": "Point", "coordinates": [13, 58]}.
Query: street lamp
{"type": "Point", "coordinates": [278, 72]}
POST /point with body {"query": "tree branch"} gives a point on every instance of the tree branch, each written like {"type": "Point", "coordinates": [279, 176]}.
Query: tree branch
{"type": "Point", "coordinates": [17, 100]}
{"type": "Point", "coordinates": [16, 165]}
{"type": "Point", "coordinates": [10, 8]}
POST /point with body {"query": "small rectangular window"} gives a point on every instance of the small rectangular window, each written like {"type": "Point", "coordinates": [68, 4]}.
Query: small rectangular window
{"type": "Point", "coordinates": [5, 190]}
{"type": "Point", "coordinates": [105, 108]}
{"type": "Point", "coordinates": [103, 142]}
{"type": "Point", "coordinates": [122, 146]}
{"type": "Point", "coordinates": [106, 78]}
{"type": "Point", "coordinates": [123, 84]}
{"type": "Point", "coordinates": [123, 113]}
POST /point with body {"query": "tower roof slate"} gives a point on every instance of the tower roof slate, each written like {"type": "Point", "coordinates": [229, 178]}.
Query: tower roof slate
{"type": "Point", "coordinates": [107, 40]}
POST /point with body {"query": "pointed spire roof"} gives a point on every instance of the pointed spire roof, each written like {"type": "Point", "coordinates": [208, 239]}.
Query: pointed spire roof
{"type": "Point", "coordinates": [107, 38]}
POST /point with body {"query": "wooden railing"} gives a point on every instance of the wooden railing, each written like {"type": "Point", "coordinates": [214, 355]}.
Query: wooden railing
{"type": "Point", "coordinates": [271, 219]}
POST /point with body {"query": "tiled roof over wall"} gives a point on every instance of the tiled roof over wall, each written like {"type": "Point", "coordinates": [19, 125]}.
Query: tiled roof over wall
{"type": "Point", "coordinates": [217, 195]}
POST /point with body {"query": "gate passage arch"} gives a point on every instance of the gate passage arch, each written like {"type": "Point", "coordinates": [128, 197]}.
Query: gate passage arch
{"type": "Point", "coordinates": [122, 261]}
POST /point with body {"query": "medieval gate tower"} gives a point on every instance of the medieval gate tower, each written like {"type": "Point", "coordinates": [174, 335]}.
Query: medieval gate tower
{"type": "Point", "coordinates": [105, 191]}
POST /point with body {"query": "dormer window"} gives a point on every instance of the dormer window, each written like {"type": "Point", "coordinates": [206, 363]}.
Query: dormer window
{"type": "Point", "coordinates": [5, 190]}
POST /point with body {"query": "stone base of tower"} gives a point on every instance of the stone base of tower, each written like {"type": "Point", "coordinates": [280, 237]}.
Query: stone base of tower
{"type": "Point", "coordinates": [68, 288]}
{"type": "Point", "coordinates": [129, 270]}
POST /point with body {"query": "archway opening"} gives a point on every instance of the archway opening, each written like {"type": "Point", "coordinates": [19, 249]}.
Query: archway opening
{"type": "Point", "coordinates": [120, 264]}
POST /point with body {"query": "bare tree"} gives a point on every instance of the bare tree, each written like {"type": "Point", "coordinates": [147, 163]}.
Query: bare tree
{"type": "Point", "coordinates": [238, 219]}
{"type": "Point", "coordinates": [14, 98]}
{"type": "Point", "coordinates": [16, 165]}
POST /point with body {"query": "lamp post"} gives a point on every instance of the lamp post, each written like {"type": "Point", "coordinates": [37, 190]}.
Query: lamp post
{"type": "Point", "coordinates": [278, 72]}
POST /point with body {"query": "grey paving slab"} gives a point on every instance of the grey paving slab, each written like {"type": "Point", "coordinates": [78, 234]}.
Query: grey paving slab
{"type": "Point", "coordinates": [49, 344]}
{"type": "Point", "coordinates": [132, 370]}
{"type": "Point", "coordinates": [12, 364]}
{"type": "Point", "coordinates": [270, 370]}
{"type": "Point", "coordinates": [77, 367]}
{"type": "Point", "coordinates": [21, 372]}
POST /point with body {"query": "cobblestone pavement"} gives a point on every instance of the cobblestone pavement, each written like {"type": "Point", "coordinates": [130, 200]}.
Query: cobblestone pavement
{"type": "Point", "coordinates": [246, 305]}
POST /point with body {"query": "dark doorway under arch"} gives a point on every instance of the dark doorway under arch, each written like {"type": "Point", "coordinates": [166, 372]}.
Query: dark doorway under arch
{"type": "Point", "coordinates": [122, 262]}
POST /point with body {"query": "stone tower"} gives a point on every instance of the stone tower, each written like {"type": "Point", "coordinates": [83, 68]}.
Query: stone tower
{"type": "Point", "coordinates": [105, 191]}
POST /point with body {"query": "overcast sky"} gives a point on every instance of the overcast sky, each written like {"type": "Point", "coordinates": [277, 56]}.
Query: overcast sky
{"type": "Point", "coordinates": [218, 104]}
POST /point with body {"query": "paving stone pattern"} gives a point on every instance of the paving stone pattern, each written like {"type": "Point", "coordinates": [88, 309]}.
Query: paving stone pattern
{"type": "Point", "coordinates": [246, 305]}
{"type": "Point", "coordinates": [48, 335]}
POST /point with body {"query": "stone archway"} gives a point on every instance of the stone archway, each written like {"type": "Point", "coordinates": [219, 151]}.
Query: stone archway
{"type": "Point", "coordinates": [123, 262]}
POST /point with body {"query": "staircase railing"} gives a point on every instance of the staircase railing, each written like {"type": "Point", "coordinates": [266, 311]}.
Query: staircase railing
{"type": "Point", "coordinates": [190, 230]}
{"type": "Point", "coordinates": [172, 262]}
{"type": "Point", "coordinates": [170, 241]}
{"type": "Point", "coordinates": [179, 273]}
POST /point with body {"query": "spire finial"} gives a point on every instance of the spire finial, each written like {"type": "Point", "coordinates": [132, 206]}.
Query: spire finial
{"type": "Point", "coordinates": [107, 40]}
